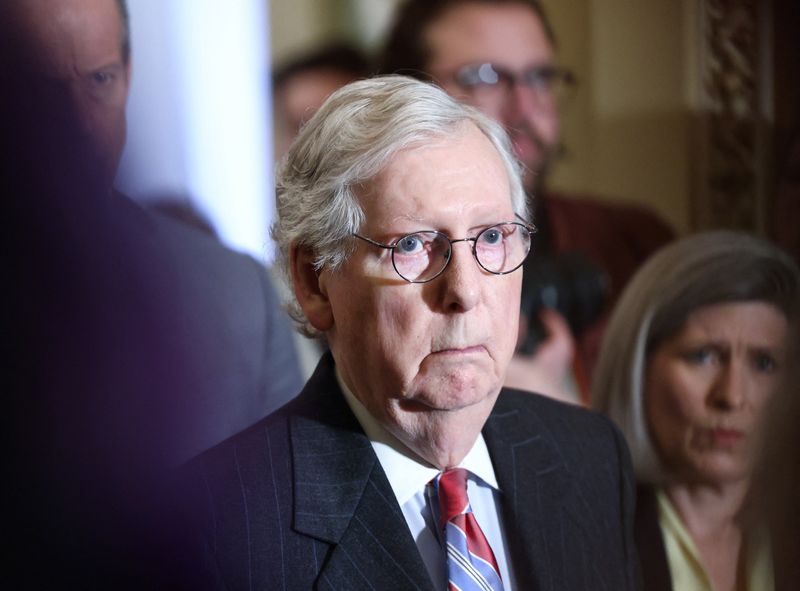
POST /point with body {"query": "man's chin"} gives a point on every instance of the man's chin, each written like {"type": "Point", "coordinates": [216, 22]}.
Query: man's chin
{"type": "Point", "coordinates": [452, 392]}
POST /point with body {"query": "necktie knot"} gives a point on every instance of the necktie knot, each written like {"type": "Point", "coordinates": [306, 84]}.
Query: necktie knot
{"type": "Point", "coordinates": [471, 564]}
{"type": "Point", "coordinates": [453, 498]}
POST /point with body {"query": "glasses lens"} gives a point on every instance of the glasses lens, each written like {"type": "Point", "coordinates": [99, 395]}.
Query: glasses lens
{"type": "Point", "coordinates": [555, 81]}
{"type": "Point", "coordinates": [421, 256]}
{"type": "Point", "coordinates": [502, 248]}
{"type": "Point", "coordinates": [476, 75]}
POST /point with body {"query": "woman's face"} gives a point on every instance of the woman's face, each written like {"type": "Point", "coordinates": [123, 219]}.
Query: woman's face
{"type": "Point", "coordinates": [706, 385]}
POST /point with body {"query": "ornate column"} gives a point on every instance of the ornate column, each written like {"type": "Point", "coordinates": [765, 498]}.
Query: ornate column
{"type": "Point", "coordinates": [731, 141]}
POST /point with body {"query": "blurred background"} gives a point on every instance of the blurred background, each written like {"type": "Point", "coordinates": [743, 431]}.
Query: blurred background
{"type": "Point", "coordinates": [689, 107]}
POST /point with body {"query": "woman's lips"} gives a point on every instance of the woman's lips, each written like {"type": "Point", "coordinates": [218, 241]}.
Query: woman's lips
{"type": "Point", "coordinates": [726, 437]}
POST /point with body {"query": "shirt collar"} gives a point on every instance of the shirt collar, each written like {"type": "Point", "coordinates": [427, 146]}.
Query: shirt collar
{"type": "Point", "coordinates": [407, 473]}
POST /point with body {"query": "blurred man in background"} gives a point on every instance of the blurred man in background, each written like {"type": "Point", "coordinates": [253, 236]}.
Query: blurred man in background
{"type": "Point", "coordinates": [78, 62]}
{"type": "Point", "coordinates": [500, 56]}
{"type": "Point", "coordinates": [137, 341]}
{"type": "Point", "coordinates": [301, 84]}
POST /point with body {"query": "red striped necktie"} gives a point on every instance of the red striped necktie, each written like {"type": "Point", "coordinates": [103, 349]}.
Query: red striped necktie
{"type": "Point", "coordinates": [470, 561]}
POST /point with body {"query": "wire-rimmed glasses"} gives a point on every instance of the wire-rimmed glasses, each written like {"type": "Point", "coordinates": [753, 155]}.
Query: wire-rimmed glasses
{"type": "Point", "coordinates": [487, 77]}
{"type": "Point", "coordinates": [422, 256]}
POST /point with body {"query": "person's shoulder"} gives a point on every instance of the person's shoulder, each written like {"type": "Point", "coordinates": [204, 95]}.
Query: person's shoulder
{"type": "Point", "coordinates": [606, 211]}
{"type": "Point", "coordinates": [319, 402]}
{"type": "Point", "coordinates": [185, 240]}
{"type": "Point", "coordinates": [562, 421]}
{"type": "Point", "coordinates": [512, 399]}
{"type": "Point", "coordinates": [250, 443]}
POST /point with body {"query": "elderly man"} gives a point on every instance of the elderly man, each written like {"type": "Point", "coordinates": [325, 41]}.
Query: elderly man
{"type": "Point", "coordinates": [403, 464]}
{"type": "Point", "coordinates": [500, 56]}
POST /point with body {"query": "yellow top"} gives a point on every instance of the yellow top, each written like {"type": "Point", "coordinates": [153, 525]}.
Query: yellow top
{"type": "Point", "coordinates": [685, 566]}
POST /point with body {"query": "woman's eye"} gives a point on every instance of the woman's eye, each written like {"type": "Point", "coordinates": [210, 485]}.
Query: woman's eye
{"type": "Point", "coordinates": [765, 362]}
{"type": "Point", "coordinates": [699, 356]}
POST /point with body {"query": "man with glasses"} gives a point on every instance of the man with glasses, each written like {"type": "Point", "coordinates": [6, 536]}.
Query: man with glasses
{"type": "Point", "coordinates": [500, 56]}
{"type": "Point", "coordinates": [404, 464]}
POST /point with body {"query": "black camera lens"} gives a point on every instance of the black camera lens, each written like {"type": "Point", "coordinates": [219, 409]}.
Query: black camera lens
{"type": "Point", "coordinates": [569, 283]}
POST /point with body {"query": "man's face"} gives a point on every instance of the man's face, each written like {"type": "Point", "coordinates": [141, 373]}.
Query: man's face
{"type": "Point", "coordinates": [510, 37]}
{"type": "Point", "coordinates": [423, 356]}
{"type": "Point", "coordinates": [76, 53]}
{"type": "Point", "coordinates": [299, 99]}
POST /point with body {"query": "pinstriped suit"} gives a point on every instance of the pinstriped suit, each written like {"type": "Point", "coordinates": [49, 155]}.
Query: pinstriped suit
{"type": "Point", "coordinates": [300, 501]}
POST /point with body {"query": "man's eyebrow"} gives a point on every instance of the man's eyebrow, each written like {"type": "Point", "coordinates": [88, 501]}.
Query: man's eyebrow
{"type": "Point", "coordinates": [408, 217]}
{"type": "Point", "coordinates": [111, 65]}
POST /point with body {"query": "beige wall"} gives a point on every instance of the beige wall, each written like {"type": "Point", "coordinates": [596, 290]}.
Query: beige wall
{"type": "Point", "coordinates": [627, 131]}
{"type": "Point", "coordinates": [627, 128]}
{"type": "Point", "coordinates": [299, 24]}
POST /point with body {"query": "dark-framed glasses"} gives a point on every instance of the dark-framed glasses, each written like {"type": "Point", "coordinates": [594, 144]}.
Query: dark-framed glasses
{"type": "Point", "coordinates": [422, 256]}
{"type": "Point", "coordinates": [544, 79]}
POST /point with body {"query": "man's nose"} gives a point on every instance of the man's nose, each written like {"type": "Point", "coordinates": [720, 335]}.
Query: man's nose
{"type": "Point", "coordinates": [461, 279]}
{"type": "Point", "coordinates": [523, 102]}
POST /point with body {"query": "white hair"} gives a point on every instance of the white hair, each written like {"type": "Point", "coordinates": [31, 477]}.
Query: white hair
{"type": "Point", "coordinates": [704, 269]}
{"type": "Point", "coordinates": [347, 143]}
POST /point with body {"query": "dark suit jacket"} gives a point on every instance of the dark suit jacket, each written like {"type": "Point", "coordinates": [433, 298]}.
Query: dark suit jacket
{"type": "Point", "coordinates": [130, 342]}
{"type": "Point", "coordinates": [650, 542]}
{"type": "Point", "coordinates": [300, 501]}
{"type": "Point", "coordinates": [137, 343]}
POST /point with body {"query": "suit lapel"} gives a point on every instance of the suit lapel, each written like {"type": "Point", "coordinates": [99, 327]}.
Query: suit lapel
{"type": "Point", "coordinates": [650, 542]}
{"type": "Point", "coordinates": [537, 492]}
{"type": "Point", "coordinates": [342, 497]}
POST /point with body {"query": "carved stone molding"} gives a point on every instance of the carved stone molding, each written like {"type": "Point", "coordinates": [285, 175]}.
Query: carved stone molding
{"type": "Point", "coordinates": [730, 138]}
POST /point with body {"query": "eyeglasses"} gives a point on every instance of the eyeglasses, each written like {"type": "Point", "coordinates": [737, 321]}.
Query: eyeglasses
{"type": "Point", "coordinates": [422, 256]}
{"type": "Point", "coordinates": [542, 79]}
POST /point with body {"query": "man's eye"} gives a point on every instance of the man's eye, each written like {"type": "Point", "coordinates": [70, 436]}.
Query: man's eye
{"type": "Point", "coordinates": [492, 236]}
{"type": "Point", "coordinates": [102, 78]}
{"type": "Point", "coordinates": [409, 245]}
{"type": "Point", "coordinates": [541, 78]}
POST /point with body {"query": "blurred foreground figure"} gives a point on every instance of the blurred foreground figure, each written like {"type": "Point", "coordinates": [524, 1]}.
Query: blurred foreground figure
{"type": "Point", "coordinates": [402, 225]}
{"type": "Point", "coordinates": [693, 352]}
{"type": "Point", "coordinates": [135, 341]}
{"type": "Point", "coordinates": [777, 479]}
{"type": "Point", "coordinates": [500, 56]}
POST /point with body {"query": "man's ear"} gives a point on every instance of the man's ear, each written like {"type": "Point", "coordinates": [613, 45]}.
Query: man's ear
{"type": "Point", "coordinates": [309, 290]}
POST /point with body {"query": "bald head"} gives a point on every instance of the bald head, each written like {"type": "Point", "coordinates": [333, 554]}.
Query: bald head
{"type": "Point", "coordinates": [76, 51]}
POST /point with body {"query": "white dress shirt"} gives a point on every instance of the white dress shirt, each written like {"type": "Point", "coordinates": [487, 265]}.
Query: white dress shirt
{"type": "Point", "coordinates": [410, 476]}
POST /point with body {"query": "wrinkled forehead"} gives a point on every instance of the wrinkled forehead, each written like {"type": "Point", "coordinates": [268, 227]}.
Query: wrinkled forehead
{"type": "Point", "coordinates": [64, 37]}
{"type": "Point", "coordinates": [457, 175]}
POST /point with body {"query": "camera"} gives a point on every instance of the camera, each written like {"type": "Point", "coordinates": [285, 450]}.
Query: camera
{"type": "Point", "coordinates": [567, 282]}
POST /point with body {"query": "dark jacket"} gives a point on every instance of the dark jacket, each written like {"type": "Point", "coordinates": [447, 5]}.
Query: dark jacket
{"type": "Point", "coordinates": [300, 501]}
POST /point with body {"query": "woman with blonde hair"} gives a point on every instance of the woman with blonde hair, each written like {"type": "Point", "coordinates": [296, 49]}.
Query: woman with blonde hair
{"type": "Point", "coordinates": [692, 352]}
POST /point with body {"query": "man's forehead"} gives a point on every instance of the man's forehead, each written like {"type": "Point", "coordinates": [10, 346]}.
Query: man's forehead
{"type": "Point", "coordinates": [64, 34]}
{"type": "Point", "coordinates": [487, 32]}
{"type": "Point", "coordinates": [460, 173]}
